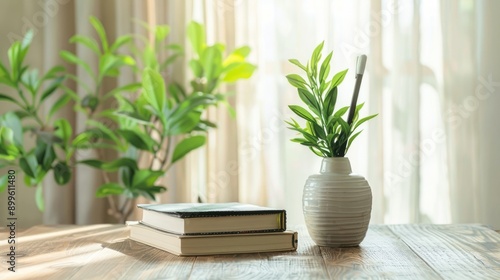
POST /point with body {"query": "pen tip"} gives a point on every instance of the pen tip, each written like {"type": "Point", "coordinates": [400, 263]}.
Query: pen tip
{"type": "Point", "coordinates": [360, 64]}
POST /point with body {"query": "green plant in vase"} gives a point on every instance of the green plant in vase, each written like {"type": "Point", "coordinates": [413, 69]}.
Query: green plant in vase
{"type": "Point", "coordinates": [326, 133]}
{"type": "Point", "coordinates": [336, 203]}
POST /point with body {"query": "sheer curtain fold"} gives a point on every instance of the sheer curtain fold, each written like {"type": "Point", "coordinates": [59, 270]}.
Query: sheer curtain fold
{"type": "Point", "coordinates": [489, 130]}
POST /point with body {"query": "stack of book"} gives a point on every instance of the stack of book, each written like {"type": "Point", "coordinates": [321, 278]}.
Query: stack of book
{"type": "Point", "coordinates": [192, 229]}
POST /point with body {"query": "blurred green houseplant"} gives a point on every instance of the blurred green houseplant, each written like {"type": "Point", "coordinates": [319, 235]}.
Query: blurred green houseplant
{"type": "Point", "coordinates": [53, 149]}
{"type": "Point", "coordinates": [154, 118]}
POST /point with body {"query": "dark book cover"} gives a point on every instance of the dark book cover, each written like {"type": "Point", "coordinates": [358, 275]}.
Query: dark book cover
{"type": "Point", "coordinates": [197, 210]}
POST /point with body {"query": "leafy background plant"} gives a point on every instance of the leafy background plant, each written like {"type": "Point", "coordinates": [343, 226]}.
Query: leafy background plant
{"type": "Point", "coordinates": [28, 90]}
{"type": "Point", "coordinates": [326, 133]}
{"type": "Point", "coordinates": [154, 119]}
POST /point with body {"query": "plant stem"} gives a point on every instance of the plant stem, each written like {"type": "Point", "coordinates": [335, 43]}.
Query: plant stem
{"type": "Point", "coordinates": [22, 97]}
{"type": "Point", "coordinates": [38, 120]}
{"type": "Point", "coordinates": [167, 153]}
{"type": "Point", "coordinates": [129, 210]}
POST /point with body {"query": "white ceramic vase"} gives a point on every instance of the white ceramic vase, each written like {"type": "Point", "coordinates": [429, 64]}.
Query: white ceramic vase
{"type": "Point", "coordinates": [337, 204]}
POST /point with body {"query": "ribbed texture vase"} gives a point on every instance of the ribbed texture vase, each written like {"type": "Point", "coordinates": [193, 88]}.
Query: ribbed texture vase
{"type": "Point", "coordinates": [337, 205]}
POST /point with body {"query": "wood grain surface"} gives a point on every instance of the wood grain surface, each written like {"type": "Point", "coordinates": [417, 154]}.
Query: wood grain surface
{"type": "Point", "coordinates": [388, 252]}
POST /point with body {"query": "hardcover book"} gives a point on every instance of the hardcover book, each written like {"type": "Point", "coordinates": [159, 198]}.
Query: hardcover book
{"type": "Point", "coordinates": [209, 218]}
{"type": "Point", "coordinates": [213, 244]}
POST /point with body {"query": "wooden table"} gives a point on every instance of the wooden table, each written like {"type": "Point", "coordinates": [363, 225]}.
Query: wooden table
{"type": "Point", "coordinates": [388, 252]}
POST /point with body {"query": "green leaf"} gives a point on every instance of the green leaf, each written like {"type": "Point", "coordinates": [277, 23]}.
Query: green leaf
{"type": "Point", "coordinates": [49, 156]}
{"type": "Point", "coordinates": [147, 194]}
{"type": "Point", "coordinates": [315, 57]}
{"type": "Point", "coordinates": [171, 59]}
{"type": "Point", "coordinates": [4, 97]}
{"type": "Point", "coordinates": [196, 36]}
{"type": "Point", "coordinates": [189, 105]}
{"type": "Point", "coordinates": [71, 58]}
{"type": "Point", "coordinates": [40, 204]}
{"type": "Point", "coordinates": [3, 182]}
{"type": "Point", "coordinates": [177, 92]}
{"type": "Point", "coordinates": [107, 132]}
{"type": "Point", "coordinates": [29, 165]}
{"type": "Point", "coordinates": [310, 144]}
{"type": "Point", "coordinates": [135, 117]}
{"type": "Point", "coordinates": [318, 130]}
{"type": "Point", "coordinates": [86, 41]}
{"type": "Point", "coordinates": [52, 88]}
{"type": "Point", "coordinates": [121, 162]}
{"type": "Point", "coordinates": [186, 146]}
{"type": "Point", "coordinates": [242, 51]}
{"type": "Point", "coordinates": [28, 37]}
{"type": "Point", "coordinates": [329, 103]}
{"type": "Point", "coordinates": [109, 189]}
{"type": "Point", "coordinates": [243, 70]}
{"type": "Point", "coordinates": [85, 139]}
{"type": "Point", "coordinates": [90, 101]}
{"type": "Point", "coordinates": [126, 174]}
{"type": "Point", "coordinates": [61, 102]}
{"type": "Point", "coordinates": [317, 152]}
{"type": "Point", "coordinates": [63, 130]}
{"type": "Point", "coordinates": [53, 72]}
{"type": "Point", "coordinates": [361, 121]}
{"type": "Point", "coordinates": [341, 112]}
{"type": "Point", "coordinates": [298, 140]}
{"type": "Point", "coordinates": [184, 125]}
{"type": "Point", "coordinates": [303, 113]}
{"type": "Point", "coordinates": [300, 65]}
{"type": "Point", "coordinates": [12, 121]}
{"type": "Point", "coordinates": [21, 115]}
{"type": "Point", "coordinates": [309, 100]}
{"type": "Point", "coordinates": [132, 87]}
{"type": "Point", "coordinates": [346, 130]}
{"type": "Point", "coordinates": [30, 80]}
{"type": "Point", "coordinates": [100, 31]}
{"type": "Point", "coordinates": [138, 139]}
{"type": "Point", "coordinates": [120, 41]}
{"type": "Point", "coordinates": [8, 150]}
{"type": "Point", "coordinates": [211, 61]}
{"type": "Point", "coordinates": [161, 32]}
{"type": "Point", "coordinates": [196, 67]}
{"type": "Point", "coordinates": [338, 78]}
{"type": "Point", "coordinates": [236, 57]}
{"type": "Point", "coordinates": [107, 63]}
{"type": "Point", "coordinates": [311, 138]}
{"type": "Point", "coordinates": [297, 81]}
{"type": "Point", "coordinates": [112, 165]}
{"type": "Point", "coordinates": [145, 178]}
{"type": "Point", "coordinates": [149, 58]}
{"type": "Point", "coordinates": [151, 190]}
{"type": "Point", "coordinates": [154, 89]}
{"type": "Point", "coordinates": [62, 173]}
{"type": "Point", "coordinates": [14, 59]}
{"type": "Point", "coordinates": [92, 163]}
{"type": "Point", "coordinates": [324, 66]}
{"type": "Point", "coordinates": [40, 149]}
{"type": "Point", "coordinates": [175, 48]}
{"type": "Point", "coordinates": [5, 76]}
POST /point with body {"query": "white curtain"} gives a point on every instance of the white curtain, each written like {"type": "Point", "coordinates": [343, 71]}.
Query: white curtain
{"type": "Point", "coordinates": [426, 161]}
